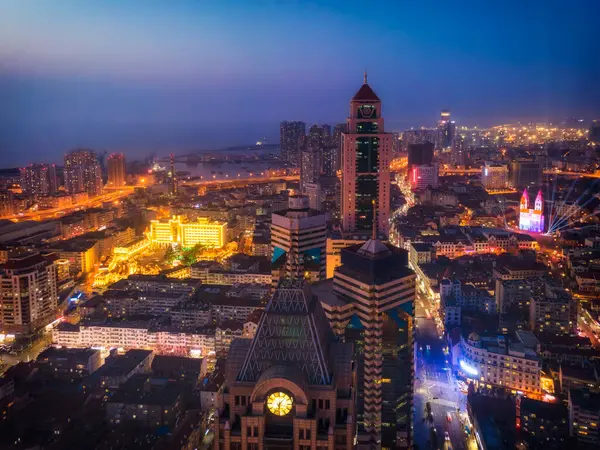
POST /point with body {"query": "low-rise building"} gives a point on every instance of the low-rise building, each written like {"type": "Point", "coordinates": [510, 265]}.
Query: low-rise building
{"type": "Point", "coordinates": [584, 417]}
{"type": "Point", "coordinates": [70, 362]}
{"type": "Point", "coordinates": [119, 369]}
{"type": "Point", "coordinates": [146, 401]}
{"type": "Point", "coordinates": [543, 424]}
{"type": "Point", "coordinates": [497, 362]}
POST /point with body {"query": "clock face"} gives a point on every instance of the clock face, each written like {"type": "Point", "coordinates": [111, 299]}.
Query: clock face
{"type": "Point", "coordinates": [279, 403]}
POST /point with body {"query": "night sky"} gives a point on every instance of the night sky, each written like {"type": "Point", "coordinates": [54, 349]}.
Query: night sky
{"type": "Point", "coordinates": [141, 76]}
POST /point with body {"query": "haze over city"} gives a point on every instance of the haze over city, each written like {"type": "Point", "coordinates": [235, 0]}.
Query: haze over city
{"type": "Point", "coordinates": [202, 75]}
{"type": "Point", "coordinates": [309, 225]}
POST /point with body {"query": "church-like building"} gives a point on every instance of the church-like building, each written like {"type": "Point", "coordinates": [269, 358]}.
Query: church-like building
{"type": "Point", "coordinates": [293, 386]}
{"type": "Point", "coordinates": [532, 219]}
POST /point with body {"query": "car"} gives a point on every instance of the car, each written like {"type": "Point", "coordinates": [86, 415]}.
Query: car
{"type": "Point", "coordinates": [449, 417]}
{"type": "Point", "coordinates": [446, 436]}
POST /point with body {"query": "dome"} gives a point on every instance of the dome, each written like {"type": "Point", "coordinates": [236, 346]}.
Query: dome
{"type": "Point", "coordinates": [474, 337]}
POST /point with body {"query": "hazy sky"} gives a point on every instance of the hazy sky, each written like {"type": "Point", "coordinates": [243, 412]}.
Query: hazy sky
{"type": "Point", "coordinates": [145, 75]}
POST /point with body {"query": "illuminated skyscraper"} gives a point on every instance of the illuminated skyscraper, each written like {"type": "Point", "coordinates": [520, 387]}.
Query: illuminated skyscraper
{"type": "Point", "coordinates": [292, 135]}
{"type": "Point", "coordinates": [39, 180]}
{"type": "Point", "coordinates": [446, 131]}
{"type": "Point", "coordinates": [310, 167]}
{"type": "Point", "coordinates": [366, 159]}
{"type": "Point", "coordinates": [83, 173]}
{"type": "Point", "coordinates": [370, 302]}
{"type": "Point", "coordinates": [116, 170]}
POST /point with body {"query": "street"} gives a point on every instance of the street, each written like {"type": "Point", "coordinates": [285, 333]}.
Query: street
{"type": "Point", "coordinates": [435, 384]}
{"type": "Point", "coordinates": [7, 360]}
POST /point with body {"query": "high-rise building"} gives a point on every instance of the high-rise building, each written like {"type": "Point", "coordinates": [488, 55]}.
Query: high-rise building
{"type": "Point", "coordinates": [446, 131]}
{"type": "Point", "coordinates": [310, 167]}
{"type": "Point", "coordinates": [532, 219]}
{"type": "Point", "coordinates": [594, 133]}
{"type": "Point", "coordinates": [7, 204]}
{"type": "Point", "coordinates": [366, 158]}
{"type": "Point", "coordinates": [116, 170]}
{"type": "Point", "coordinates": [313, 192]}
{"type": "Point", "coordinates": [298, 238]}
{"type": "Point", "coordinates": [28, 292]}
{"type": "Point", "coordinates": [371, 302]}
{"type": "Point", "coordinates": [422, 177]}
{"type": "Point", "coordinates": [82, 173]}
{"type": "Point", "coordinates": [39, 180]}
{"type": "Point", "coordinates": [173, 182]}
{"type": "Point", "coordinates": [338, 130]}
{"type": "Point", "coordinates": [292, 135]}
{"type": "Point", "coordinates": [292, 385]}
{"type": "Point", "coordinates": [525, 173]}
{"type": "Point", "coordinates": [418, 136]}
{"type": "Point", "coordinates": [494, 176]}
{"type": "Point", "coordinates": [420, 154]}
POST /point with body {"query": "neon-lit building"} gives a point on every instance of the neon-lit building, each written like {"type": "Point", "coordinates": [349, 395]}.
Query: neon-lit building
{"type": "Point", "coordinates": [424, 176]}
{"type": "Point", "coordinates": [532, 219]}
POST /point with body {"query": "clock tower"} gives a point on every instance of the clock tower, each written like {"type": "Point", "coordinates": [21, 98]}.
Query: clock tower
{"type": "Point", "coordinates": [366, 156]}
{"type": "Point", "coordinates": [293, 385]}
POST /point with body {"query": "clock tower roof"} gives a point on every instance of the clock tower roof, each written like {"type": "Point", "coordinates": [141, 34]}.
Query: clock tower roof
{"type": "Point", "coordinates": [365, 93]}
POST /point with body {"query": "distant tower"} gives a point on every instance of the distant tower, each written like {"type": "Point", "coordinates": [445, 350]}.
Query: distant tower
{"type": "Point", "coordinates": [298, 241]}
{"type": "Point", "coordinates": [366, 158]}
{"type": "Point", "coordinates": [173, 175]}
{"type": "Point", "coordinates": [83, 173]}
{"type": "Point", "coordinates": [116, 170]}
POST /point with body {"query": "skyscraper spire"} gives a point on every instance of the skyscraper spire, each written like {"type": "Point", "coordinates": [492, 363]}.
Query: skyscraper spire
{"type": "Point", "coordinates": [365, 77]}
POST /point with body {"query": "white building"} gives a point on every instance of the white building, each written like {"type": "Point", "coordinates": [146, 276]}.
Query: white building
{"type": "Point", "coordinates": [494, 176]}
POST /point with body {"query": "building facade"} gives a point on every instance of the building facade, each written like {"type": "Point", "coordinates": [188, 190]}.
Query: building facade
{"type": "Point", "coordinates": [494, 176]}
{"type": "Point", "coordinates": [292, 135]}
{"type": "Point", "coordinates": [298, 241]}
{"type": "Point", "coordinates": [371, 302]}
{"type": "Point", "coordinates": [82, 173]}
{"type": "Point", "coordinates": [28, 292]}
{"type": "Point", "coordinates": [366, 158]}
{"type": "Point", "coordinates": [288, 393]}
{"type": "Point", "coordinates": [178, 230]}
{"type": "Point", "coordinates": [422, 177]}
{"type": "Point", "coordinates": [532, 219]}
{"type": "Point", "coordinates": [116, 170]}
{"type": "Point", "coordinates": [39, 180]}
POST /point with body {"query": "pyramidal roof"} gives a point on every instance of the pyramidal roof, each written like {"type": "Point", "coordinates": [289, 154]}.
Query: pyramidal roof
{"type": "Point", "coordinates": [293, 332]}
{"type": "Point", "coordinates": [374, 248]}
{"type": "Point", "coordinates": [365, 93]}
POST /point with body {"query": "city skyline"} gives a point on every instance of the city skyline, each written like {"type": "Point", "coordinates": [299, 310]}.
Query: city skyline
{"type": "Point", "coordinates": [216, 75]}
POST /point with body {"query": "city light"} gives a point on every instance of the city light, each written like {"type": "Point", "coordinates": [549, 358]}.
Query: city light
{"type": "Point", "coordinates": [468, 369]}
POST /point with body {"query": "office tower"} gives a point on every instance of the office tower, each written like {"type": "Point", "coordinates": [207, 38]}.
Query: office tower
{"type": "Point", "coordinates": [116, 170]}
{"type": "Point", "coordinates": [446, 131]}
{"type": "Point", "coordinates": [173, 186]}
{"type": "Point", "coordinates": [39, 180]}
{"type": "Point", "coordinates": [420, 154]}
{"type": "Point", "coordinates": [422, 177]}
{"type": "Point", "coordinates": [494, 176]}
{"type": "Point", "coordinates": [338, 130]}
{"type": "Point", "coordinates": [28, 292]}
{"type": "Point", "coordinates": [82, 173]}
{"type": "Point", "coordinates": [525, 173]}
{"type": "Point", "coordinates": [532, 219]}
{"type": "Point", "coordinates": [291, 386]}
{"type": "Point", "coordinates": [371, 302]}
{"type": "Point", "coordinates": [594, 132]}
{"type": "Point", "coordinates": [313, 192]}
{"type": "Point", "coordinates": [7, 205]}
{"type": "Point", "coordinates": [310, 167]}
{"type": "Point", "coordinates": [366, 159]}
{"type": "Point", "coordinates": [292, 139]}
{"type": "Point", "coordinates": [298, 236]}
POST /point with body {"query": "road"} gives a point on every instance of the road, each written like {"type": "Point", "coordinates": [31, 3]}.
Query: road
{"type": "Point", "coordinates": [46, 214]}
{"type": "Point", "coordinates": [7, 360]}
{"type": "Point", "coordinates": [454, 171]}
{"type": "Point", "coordinates": [435, 384]}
